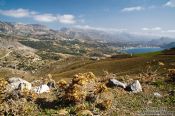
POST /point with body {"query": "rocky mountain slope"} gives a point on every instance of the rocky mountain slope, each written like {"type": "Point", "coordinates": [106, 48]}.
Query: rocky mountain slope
{"type": "Point", "coordinates": [106, 36]}
{"type": "Point", "coordinates": [41, 31]}
{"type": "Point", "coordinates": [162, 41]}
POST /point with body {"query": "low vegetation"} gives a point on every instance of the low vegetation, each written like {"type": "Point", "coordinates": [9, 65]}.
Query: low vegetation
{"type": "Point", "coordinates": [87, 94]}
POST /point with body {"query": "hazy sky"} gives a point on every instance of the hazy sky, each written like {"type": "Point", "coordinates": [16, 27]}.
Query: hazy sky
{"type": "Point", "coordinates": [154, 17]}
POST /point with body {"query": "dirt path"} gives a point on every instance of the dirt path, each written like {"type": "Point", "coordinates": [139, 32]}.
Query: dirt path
{"type": "Point", "coordinates": [6, 55]}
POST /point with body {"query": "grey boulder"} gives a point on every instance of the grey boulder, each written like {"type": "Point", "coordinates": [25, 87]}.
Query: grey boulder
{"type": "Point", "coordinates": [135, 87]}
{"type": "Point", "coordinates": [114, 82]}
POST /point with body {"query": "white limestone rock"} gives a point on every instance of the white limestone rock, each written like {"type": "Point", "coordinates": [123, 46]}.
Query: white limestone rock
{"type": "Point", "coordinates": [114, 82]}
{"type": "Point", "coordinates": [18, 83]}
{"type": "Point", "coordinates": [41, 89]}
{"type": "Point", "coordinates": [156, 94]}
{"type": "Point", "coordinates": [135, 87]}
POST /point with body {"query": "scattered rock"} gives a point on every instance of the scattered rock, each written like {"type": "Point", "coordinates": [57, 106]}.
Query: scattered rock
{"type": "Point", "coordinates": [41, 89]}
{"type": "Point", "coordinates": [157, 94]}
{"type": "Point", "coordinates": [84, 113]}
{"type": "Point", "coordinates": [95, 58]}
{"type": "Point", "coordinates": [114, 82]}
{"type": "Point", "coordinates": [135, 87]}
{"type": "Point", "coordinates": [161, 64]}
{"type": "Point", "coordinates": [18, 83]}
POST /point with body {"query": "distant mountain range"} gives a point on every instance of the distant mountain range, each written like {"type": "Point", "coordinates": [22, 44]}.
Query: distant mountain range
{"type": "Point", "coordinates": [161, 41]}
{"type": "Point", "coordinates": [169, 45]}
{"type": "Point", "coordinates": [104, 35]}
{"type": "Point", "coordinates": [43, 32]}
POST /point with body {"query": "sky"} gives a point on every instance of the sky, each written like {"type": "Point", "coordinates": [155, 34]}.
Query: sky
{"type": "Point", "coordinates": [147, 17]}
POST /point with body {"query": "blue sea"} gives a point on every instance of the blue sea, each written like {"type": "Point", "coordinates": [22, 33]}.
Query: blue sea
{"type": "Point", "coordinates": [142, 50]}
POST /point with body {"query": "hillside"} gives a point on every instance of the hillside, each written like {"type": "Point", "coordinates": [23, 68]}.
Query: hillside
{"type": "Point", "coordinates": [122, 66]}
{"type": "Point", "coordinates": [74, 72]}
{"type": "Point", "coordinates": [169, 45]}
{"type": "Point", "coordinates": [89, 94]}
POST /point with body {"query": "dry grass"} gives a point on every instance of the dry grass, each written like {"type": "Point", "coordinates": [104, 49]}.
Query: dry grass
{"type": "Point", "coordinates": [88, 91]}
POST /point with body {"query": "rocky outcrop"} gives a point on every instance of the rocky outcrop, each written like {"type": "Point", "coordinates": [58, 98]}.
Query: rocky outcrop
{"type": "Point", "coordinates": [6, 27]}
{"type": "Point", "coordinates": [41, 89]}
{"type": "Point", "coordinates": [18, 83]}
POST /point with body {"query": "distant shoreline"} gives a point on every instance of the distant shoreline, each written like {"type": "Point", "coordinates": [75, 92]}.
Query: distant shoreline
{"type": "Point", "coordinates": [138, 48]}
{"type": "Point", "coordinates": [135, 50]}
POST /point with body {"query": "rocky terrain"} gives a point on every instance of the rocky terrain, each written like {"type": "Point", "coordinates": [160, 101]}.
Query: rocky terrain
{"type": "Point", "coordinates": [88, 95]}
{"type": "Point", "coordinates": [78, 72]}
{"type": "Point", "coordinates": [105, 93]}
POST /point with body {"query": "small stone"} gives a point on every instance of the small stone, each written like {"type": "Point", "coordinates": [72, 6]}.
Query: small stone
{"type": "Point", "coordinates": [161, 64]}
{"type": "Point", "coordinates": [157, 94]}
{"type": "Point", "coordinates": [135, 87]}
{"type": "Point", "coordinates": [114, 82]}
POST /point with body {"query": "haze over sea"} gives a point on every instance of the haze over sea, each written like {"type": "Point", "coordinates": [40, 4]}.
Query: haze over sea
{"type": "Point", "coordinates": [142, 50]}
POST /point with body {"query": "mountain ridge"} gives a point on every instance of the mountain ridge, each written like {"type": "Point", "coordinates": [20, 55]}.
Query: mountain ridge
{"type": "Point", "coordinates": [79, 33]}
